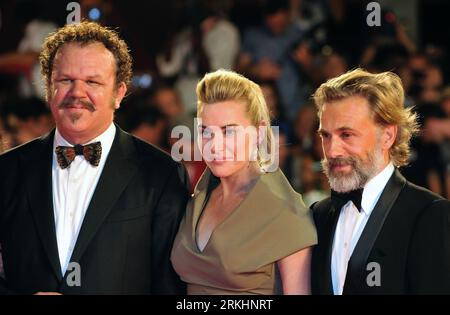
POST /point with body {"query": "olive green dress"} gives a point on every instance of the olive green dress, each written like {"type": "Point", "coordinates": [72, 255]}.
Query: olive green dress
{"type": "Point", "coordinates": [271, 223]}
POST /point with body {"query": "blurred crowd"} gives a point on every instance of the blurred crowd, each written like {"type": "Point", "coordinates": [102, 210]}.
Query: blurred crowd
{"type": "Point", "coordinates": [288, 47]}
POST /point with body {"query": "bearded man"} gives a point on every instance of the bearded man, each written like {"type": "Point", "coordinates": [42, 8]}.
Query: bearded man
{"type": "Point", "coordinates": [377, 233]}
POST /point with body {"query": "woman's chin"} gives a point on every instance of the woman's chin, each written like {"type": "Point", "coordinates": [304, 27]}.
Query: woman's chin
{"type": "Point", "coordinates": [222, 168]}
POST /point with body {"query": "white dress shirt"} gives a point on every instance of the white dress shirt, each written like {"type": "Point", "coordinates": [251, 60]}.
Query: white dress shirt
{"type": "Point", "coordinates": [351, 224]}
{"type": "Point", "coordinates": [73, 188]}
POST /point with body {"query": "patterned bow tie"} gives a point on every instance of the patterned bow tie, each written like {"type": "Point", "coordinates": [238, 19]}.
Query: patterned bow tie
{"type": "Point", "coordinates": [340, 199]}
{"type": "Point", "coordinates": [91, 152]}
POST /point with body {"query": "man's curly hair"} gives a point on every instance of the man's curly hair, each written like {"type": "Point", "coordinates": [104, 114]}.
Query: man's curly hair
{"type": "Point", "coordinates": [86, 33]}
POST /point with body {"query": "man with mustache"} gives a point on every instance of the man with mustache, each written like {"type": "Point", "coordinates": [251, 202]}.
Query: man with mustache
{"type": "Point", "coordinates": [88, 209]}
{"type": "Point", "coordinates": [378, 233]}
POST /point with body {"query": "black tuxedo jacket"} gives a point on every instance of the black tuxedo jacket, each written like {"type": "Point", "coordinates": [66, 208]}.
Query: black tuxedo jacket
{"type": "Point", "coordinates": [127, 233]}
{"type": "Point", "coordinates": [407, 235]}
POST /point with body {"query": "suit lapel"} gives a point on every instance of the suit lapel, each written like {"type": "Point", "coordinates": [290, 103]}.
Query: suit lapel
{"type": "Point", "coordinates": [119, 168]}
{"type": "Point", "coordinates": [38, 183]}
{"type": "Point", "coordinates": [357, 264]}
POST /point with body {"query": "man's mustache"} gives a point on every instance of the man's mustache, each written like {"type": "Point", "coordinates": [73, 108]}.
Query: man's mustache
{"type": "Point", "coordinates": [76, 102]}
{"type": "Point", "coordinates": [341, 161]}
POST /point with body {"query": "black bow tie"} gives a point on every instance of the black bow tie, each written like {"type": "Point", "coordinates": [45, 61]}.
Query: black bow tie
{"type": "Point", "coordinates": [91, 152]}
{"type": "Point", "coordinates": [340, 199]}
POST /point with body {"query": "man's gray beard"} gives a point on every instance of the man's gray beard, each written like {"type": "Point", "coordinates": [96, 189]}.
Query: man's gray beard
{"type": "Point", "coordinates": [361, 173]}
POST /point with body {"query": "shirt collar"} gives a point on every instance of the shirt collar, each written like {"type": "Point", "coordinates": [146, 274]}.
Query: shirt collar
{"type": "Point", "coordinates": [374, 188]}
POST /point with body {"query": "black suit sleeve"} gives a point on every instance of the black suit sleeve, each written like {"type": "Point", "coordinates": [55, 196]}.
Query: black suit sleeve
{"type": "Point", "coordinates": [429, 255]}
{"type": "Point", "coordinates": [4, 290]}
{"type": "Point", "coordinates": [320, 211]}
{"type": "Point", "coordinates": [313, 277]}
{"type": "Point", "coordinates": [3, 287]}
{"type": "Point", "coordinates": [166, 219]}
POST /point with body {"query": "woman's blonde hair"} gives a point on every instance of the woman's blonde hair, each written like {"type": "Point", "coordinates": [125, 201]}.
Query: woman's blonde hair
{"type": "Point", "coordinates": [385, 95]}
{"type": "Point", "coordinates": [224, 85]}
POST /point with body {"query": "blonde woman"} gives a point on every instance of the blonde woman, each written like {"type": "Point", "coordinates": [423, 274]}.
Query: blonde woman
{"type": "Point", "coordinates": [244, 219]}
